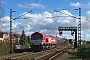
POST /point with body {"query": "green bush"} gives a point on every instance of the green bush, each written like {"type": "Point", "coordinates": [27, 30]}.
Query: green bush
{"type": "Point", "coordinates": [26, 45]}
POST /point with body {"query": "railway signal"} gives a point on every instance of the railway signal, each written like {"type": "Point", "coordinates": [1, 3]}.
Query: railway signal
{"type": "Point", "coordinates": [79, 22]}
{"type": "Point", "coordinates": [72, 29]}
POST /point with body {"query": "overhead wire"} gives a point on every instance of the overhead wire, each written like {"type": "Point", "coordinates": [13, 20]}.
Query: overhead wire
{"type": "Point", "coordinates": [36, 2]}
{"type": "Point", "coordinates": [27, 12]}
{"type": "Point", "coordinates": [10, 8]}
{"type": "Point", "coordinates": [22, 15]}
{"type": "Point", "coordinates": [17, 13]}
{"type": "Point", "coordinates": [30, 17]}
{"type": "Point", "coordinates": [66, 14]}
{"type": "Point", "coordinates": [6, 7]}
{"type": "Point", "coordinates": [40, 5]}
{"type": "Point", "coordinates": [45, 10]}
{"type": "Point", "coordinates": [59, 12]}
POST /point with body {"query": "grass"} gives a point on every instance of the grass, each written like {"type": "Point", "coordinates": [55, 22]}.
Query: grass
{"type": "Point", "coordinates": [4, 48]}
{"type": "Point", "coordinates": [82, 53]}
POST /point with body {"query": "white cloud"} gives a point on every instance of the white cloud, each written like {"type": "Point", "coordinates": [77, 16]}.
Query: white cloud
{"type": "Point", "coordinates": [88, 36]}
{"type": "Point", "coordinates": [75, 4]}
{"type": "Point", "coordinates": [88, 15]}
{"type": "Point", "coordinates": [64, 21]}
{"type": "Point", "coordinates": [40, 23]}
{"type": "Point", "coordinates": [32, 5]}
{"type": "Point", "coordinates": [78, 4]}
{"type": "Point", "coordinates": [23, 6]}
{"type": "Point", "coordinates": [4, 23]}
{"type": "Point", "coordinates": [82, 32]}
{"type": "Point", "coordinates": [35, 5]}
{"type": "Point", "coordinates": [88, 12]}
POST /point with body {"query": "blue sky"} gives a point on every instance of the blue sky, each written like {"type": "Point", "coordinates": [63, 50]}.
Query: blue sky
{"type": "Point", "coordinates": [42, 9]}
{"type": "Point", "coordinates": [48, 5]}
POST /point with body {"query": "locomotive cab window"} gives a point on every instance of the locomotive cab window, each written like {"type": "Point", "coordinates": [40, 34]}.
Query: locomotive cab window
{"type": "Point", "coordinates": [40, 37]}
{"type": "Point", "coordinates": [46, 39]}
{"type": "Point", "coordinates": [33, 37]}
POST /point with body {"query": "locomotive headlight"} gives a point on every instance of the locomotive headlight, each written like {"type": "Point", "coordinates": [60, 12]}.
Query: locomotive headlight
{"type": "Point", "coordinates": [32, 43]}
{"type": "Point", "coordinates": [40, 43]}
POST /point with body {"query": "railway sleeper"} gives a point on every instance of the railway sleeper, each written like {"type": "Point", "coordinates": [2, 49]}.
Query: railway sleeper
{"type": "Point", "coordinates": [48, 56]}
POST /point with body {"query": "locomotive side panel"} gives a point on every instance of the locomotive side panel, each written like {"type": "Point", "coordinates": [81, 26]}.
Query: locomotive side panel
{"type": "Point", "coordinates": [49, 40]}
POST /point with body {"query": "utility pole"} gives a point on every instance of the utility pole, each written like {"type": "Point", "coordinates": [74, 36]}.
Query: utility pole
{"type": "Point", "coordinates": [11, 41]}
{"type": "Point", "coordinates": [79, 27]}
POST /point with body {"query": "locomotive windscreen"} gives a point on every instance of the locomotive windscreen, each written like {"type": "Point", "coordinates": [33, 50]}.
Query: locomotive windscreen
{"type": "Point", "coordinates": [38, 37]}
{"type": "Point", "coordinates": [34, 37]}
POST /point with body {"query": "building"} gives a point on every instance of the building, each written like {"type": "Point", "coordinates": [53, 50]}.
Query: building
{"type": "Point", "coordinates": [16, 38]}
{"type": "Point", "coordinates": [4, 37]}
{"type": "Point", "coordinates": [83, 42]}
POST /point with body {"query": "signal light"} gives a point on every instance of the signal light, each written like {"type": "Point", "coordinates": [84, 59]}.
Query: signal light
{"type": "Point", "coordinates": [72, 33]}
{"type": "Point", "coordinates": [60, 33]}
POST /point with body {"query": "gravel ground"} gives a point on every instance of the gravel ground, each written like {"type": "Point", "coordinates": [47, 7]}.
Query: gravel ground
{"type": "Point", "coordinates": [65, 56]}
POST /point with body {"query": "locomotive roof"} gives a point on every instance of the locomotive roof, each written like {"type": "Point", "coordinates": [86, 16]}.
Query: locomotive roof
{"type": "Point", "coordinates": [42, 34]}
{"type": "Point", "coordinates": [38, 33]}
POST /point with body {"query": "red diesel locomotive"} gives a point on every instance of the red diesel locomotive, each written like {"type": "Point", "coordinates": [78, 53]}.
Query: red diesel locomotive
{"type": "Point", "coordinates": [41, 41]}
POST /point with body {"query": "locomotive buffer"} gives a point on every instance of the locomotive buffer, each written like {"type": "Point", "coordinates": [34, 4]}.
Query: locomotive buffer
{"type": "Point", "coordinates": [72, 29]}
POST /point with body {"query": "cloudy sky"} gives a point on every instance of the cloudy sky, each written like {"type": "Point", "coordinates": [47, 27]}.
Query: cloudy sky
{"type": "Point", "coordinates": [37, 21]}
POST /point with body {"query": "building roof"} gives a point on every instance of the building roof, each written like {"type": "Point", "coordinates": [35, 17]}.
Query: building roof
{"type": "Point", "coordinates": [1, 33]}
{"type": "Point", "coordinates": [16, 35]}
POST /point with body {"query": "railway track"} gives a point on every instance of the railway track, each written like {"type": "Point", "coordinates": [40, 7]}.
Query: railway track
{"type": "Point", "coordinates": [52, 55]}
{"type": "Point", "coordinates": [12, 56]}
{"type": "Point", "coordinates": [21, 56]}
{"type": "Point", "coordinates": [48, 55]}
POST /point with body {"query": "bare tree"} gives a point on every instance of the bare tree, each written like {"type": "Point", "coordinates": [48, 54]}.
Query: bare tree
{"type": "Point", "coordinates": [1, 14]}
